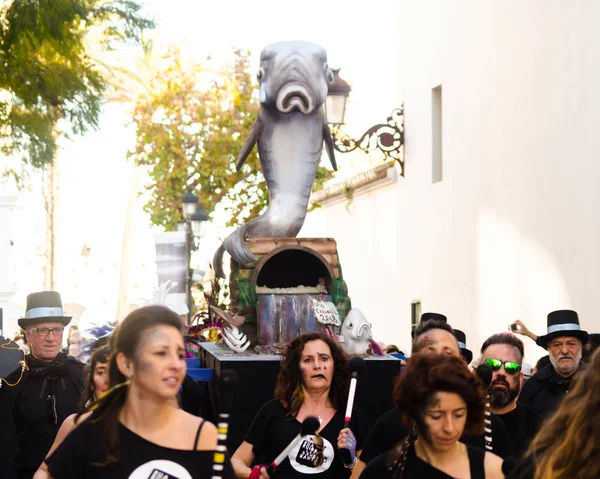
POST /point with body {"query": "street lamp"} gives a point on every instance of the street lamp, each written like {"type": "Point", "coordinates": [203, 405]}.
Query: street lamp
{"type": "Point", "coordinates": [195, 220]}
{"type": "Point", "coordinates": [387, 137]}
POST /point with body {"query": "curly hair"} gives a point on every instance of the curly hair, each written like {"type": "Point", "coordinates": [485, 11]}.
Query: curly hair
{"type": "Point", "coordinates": [290, 376]}
{"type": "Point", "coordinates": [568, 443]}
{"type": "Point", "coordinates": [426, 375]}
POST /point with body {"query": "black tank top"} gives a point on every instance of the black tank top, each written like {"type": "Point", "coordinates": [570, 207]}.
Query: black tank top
{"type": "Point", "coordinates": [82, 453]}
{"type": "Point", "coordinates": [382, 467]}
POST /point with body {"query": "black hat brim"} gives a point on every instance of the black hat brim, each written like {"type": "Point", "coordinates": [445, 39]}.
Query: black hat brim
{"type": "Point", "coordinates": [25, 323]}
{"type": "Point", "coordinates": [467, 355]}
{"type": "Point", "coordinates": [579, 334]}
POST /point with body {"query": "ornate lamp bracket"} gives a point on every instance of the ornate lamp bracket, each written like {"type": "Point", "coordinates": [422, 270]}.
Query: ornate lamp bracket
{"type": "Point", "coordinates": [387, 137]}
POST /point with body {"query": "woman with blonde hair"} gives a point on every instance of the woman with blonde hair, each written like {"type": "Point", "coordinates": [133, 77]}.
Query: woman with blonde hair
{"type": "Point", "coordinates": [568, 444]}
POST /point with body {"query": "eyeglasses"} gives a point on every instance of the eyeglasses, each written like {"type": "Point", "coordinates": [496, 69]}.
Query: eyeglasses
{"type": "Point", "coordinates": [509, 366]}
{"type": "Point", "coordinates": [46, 331]}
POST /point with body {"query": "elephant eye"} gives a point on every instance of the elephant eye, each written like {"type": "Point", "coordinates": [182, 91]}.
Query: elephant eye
{"type": "Point", "coordinates": [260, 74]}
{"type": "Point", "coordinates": [350, 325]}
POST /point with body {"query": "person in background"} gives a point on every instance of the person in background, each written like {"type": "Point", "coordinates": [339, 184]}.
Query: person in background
{"type": "Point", "coordinates": [74, 335]}
{"type": "Point", "coordinates": [134, 430]}
{"type": "Point", "coordinates": [73, 350]}
{"type": "Point", "coordinates": [541, 363]}
{"type": "Point", "coordinates": [503, 352]}
{"type": "Point", "coordinates": [40, 396]}
{"type": "Point", "coordinates": [565, 340]}
{"type": "Point", "coordinates": [466, 353]}
{"type": "Point", "coordinates": [96, 385]}
{"type": "Point", "coordinates": [440, 400]}
{"type": "Point", "coordinates": [313, 381]}
{"type": "Point", "coordinates": [433, 336]}
{"type": "Point", "coordinates": [568, 443]}
{"type": "Point", "coordinates": [588, 348]}
{"type": "Point", "coordinates": [392, 349]}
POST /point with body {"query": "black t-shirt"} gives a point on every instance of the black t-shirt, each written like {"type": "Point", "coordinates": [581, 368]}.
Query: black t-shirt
{"type": "Point", "coordinates": [389, 430]}
{"type": "Point", "coordinates": [416, 468]}
{"type": "Point", "coordinates": [273, 429]}
{"type": "Point", "coordinates": [138, 458]}
{"type": "Point", "coordinates": [522, 424]}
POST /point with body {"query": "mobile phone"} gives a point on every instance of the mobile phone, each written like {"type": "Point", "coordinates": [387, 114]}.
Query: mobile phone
{"type": "Point", "coordinates": [514, 327]}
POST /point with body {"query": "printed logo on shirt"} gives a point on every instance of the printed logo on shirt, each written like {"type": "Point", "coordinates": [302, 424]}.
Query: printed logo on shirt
{"type": "Point", "coordinates": [160, 469]}
{"type": "Point", "coordinates": [313, 455]}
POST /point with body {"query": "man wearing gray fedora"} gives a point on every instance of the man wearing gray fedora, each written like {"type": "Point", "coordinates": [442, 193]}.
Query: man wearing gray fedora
{"type": "Point", "coordinates": [564, 341]}
{"type": "Point", "coordinates": [40, 394]}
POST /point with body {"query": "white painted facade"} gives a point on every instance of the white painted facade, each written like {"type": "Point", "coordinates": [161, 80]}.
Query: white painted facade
{"type": "Point", "coordinates": [512, 231]}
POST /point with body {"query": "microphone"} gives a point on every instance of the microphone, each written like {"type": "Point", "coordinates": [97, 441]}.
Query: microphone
{"type": "Point", "coordinates": [484, 372]}
{"type": "Point", "coordinates": [228, 382]}
{"type": "Point", "coordinates": [309, 426]}
{"type": "Point", "coordinates": [357, 366]}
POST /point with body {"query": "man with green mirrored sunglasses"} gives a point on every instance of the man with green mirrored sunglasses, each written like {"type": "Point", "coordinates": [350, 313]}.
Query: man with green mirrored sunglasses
{"type": "Point", "coordinates": [503, 353]}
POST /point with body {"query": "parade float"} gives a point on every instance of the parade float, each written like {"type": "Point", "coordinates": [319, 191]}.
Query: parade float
{"type": "Point", "coordinates": [282, 286]}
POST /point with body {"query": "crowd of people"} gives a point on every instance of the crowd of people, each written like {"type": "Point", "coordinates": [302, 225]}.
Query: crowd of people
{"type": "Point", "coordinates": [133, 413]}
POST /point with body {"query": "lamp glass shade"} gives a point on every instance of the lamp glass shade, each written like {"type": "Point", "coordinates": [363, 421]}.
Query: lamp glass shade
{"type": "Point", "coordinates": [188, 204]}
{"type": "Point", "coordinates": [335, 109]}
{"type": "Point", "coordinates": [199, 222]}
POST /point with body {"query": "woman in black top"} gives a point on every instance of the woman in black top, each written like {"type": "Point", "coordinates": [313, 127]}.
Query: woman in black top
{"type": "Point", "coordinates": [135, 432]}
{"type": "Point", "coordinates": [439, 398]}
{"type": "Point", "coordinates": [313, 381]}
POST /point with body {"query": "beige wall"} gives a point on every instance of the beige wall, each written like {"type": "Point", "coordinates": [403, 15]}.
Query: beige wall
{"type": "Point", "coordinates": [513, 229]}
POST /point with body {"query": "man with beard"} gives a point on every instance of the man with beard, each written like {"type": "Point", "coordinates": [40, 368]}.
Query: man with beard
{"type": "Point", "coordinates": [565, 340]}
{"type": "Point", "coordinates": [504, 352]}
{"type": "Point", "coordinates": [433, 336]}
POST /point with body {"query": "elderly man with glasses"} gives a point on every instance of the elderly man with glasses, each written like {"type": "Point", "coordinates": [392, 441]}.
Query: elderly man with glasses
{"type": "Point", "coordinates": [503, 353]}
{"type": "Point", "coordinates": [41, 393]}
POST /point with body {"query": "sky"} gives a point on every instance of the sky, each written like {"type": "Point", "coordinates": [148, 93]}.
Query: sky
{"type": "Point", "coordinates": [359, 37]}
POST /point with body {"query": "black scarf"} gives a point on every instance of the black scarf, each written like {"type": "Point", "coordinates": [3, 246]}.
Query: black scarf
{"type": "Point", "coordinates": [558, 382]}
{"type": "Point", "coordinates": [39, 370]}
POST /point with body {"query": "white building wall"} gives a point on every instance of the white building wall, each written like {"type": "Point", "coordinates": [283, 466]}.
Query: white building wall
{"type": "Point", "coordinates": [512, 230]}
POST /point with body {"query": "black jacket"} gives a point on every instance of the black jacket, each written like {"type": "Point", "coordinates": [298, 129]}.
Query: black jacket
{"type": "Point", "coordinates": [32, 411]}
{"type": "Point", "coordinates": [545, 389]}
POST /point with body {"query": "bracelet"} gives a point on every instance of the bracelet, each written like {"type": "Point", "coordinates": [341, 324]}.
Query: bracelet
{"type": "Point", "coordinates": [351, 466]}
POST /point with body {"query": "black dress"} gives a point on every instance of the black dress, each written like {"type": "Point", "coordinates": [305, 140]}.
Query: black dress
{"type": "Point", "coordinates": [81, 455]}
{"type": "Point", "coordinates": [416, 468]}
{"type": "Point", "coordinates": [273, 429]}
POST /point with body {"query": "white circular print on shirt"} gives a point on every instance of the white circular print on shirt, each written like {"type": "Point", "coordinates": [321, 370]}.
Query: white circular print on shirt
{"type": "Point", "coordinates": [313, 455]}
{"type": "Point", "coordinates": [160, 469]}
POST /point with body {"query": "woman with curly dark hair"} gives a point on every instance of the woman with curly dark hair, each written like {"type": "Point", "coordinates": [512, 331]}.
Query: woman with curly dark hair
{"type": "Point", "coordinates": [439, 399]}
{"type": "Point", "coordinates": [313, 381]}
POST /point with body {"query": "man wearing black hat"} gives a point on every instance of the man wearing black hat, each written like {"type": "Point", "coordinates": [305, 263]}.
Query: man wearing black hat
{"type": "Point", "coordinates": [37, 397]}
{"type": "Point", "coordinates": [465, 352]}
{"type": "Point", "coordinates": [565, 340]}
{"type": "Point", "coordinates": [433, 336]}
